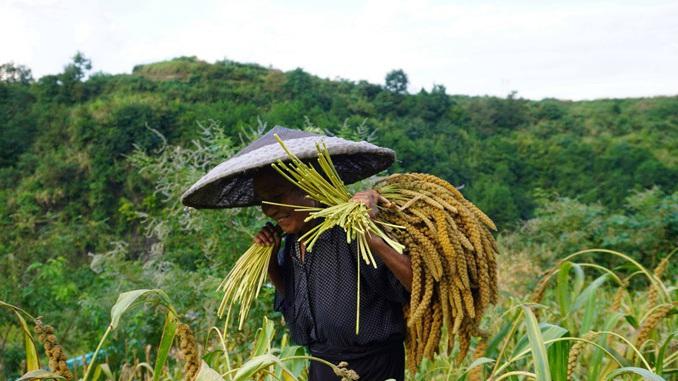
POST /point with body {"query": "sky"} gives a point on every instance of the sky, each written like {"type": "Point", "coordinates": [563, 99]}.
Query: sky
{"type": "Point", "coordinates": [572, 49]}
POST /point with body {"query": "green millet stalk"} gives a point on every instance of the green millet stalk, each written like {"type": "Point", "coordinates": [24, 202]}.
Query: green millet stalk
{"type": "Point", "coordinates": [653, 292]}
{"type": "Point", "coordinates": [618, 298]}
{"type": "Point", "coordinates": [575, 351]}
{"type": "Point", "coordinates": [661, 267]}
{"type": "Point", "coordinates": [651, 323]}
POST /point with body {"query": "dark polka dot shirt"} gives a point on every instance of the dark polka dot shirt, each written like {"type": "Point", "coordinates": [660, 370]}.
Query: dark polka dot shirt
{"type": "Point", "coordinates": [319, 305]}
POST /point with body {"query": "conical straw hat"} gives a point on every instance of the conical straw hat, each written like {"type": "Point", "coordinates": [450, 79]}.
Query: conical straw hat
{"type": "Point", "coordinates": [231, 183]}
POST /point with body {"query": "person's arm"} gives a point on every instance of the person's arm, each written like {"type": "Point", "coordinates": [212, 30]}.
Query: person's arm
{"type": "Point", "coordinates": [399, 264]}
{"type": "Point", "coordinates": [269, 235]}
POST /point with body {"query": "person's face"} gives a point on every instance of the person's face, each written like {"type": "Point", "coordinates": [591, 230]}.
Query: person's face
{"type": "Point", "coordinates": [270, 186]}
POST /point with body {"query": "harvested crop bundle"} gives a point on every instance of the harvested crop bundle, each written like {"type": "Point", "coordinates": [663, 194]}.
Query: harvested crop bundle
{"type": "Point", "coordinates": [453, 256]}
{"type": "Point", "coordinates": [328, 189]}
{"type": "Point", "coordinates": [243, 283]}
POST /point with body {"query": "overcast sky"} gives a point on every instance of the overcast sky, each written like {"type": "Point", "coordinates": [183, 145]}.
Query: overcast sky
{"type": "Point", "coordinates": [569, 49]}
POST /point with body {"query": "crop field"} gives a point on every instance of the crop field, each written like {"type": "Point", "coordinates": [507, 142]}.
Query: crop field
{"type": "Point", "coordinates": [582, 321]}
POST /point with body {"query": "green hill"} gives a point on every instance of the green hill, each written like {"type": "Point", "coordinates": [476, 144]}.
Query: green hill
{"type": "Point", "coordinates": [68, 187]}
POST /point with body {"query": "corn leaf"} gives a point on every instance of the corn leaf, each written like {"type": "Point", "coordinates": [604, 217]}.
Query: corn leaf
{"type": "Point", "coordinates": [493, 344]}
{"type": "Point", "coordinates": [632, 320]}
{"type": "Point", "coordinates": [539, 355]}
{"type": "Point", "coordinates": [644, 373]}
{"type": "Point", "coordinates": [32, 361]}
{"type": "Point", "coordinates": [253, 365]}
{"type": "Point", "coordinates": [264, 336]}
{"type": "Point", "coordinates": [127, 299]}
{"type": "Point", "coordinates": [558, 354]}
{"type": "Point", "coordinates": [563, 288]}
{"type": "Point", "coordinates": [588, 292]}
{"type": "Point", "coordinates": [168, 332]}
{"type": "Point", "coordinates": [97, 373]}
{"type": "Point", "coordinates": [107, 371]}
{"type": "Point", "coordinates": [548, 332]}
{"type": "Point", "coordinates": [207, 374]}
{"type": "Point", "coordinates": [103, 369]}
{"type": "Point", "coordinates": [478, 362]}
{"type": "Point", "coordinates": [590, 313]}
{"type": "Point", "coordinates": [659, 366]}
{"type": "Point", "coordinates": [296, 365]}
{"type": "Point", "coordinates": [40, 374]}
{"type": "Point", "coordinates": [579, 278]}
{"type": "Point", "coordinates": [596, 358]}
{"type": "Point", "coordinates": [211, 357]}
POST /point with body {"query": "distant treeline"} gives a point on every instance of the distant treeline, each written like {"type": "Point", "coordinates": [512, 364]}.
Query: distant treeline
{"type": "Point", "coordinates": [64, 137]}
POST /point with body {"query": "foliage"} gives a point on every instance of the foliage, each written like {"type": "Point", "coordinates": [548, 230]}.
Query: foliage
{"type": "Point", "coordinates": [559, 332]}
{"type": "Point", "coordinates": [92, 166]}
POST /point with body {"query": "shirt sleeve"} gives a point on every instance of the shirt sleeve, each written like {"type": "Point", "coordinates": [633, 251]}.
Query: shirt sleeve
{"type": "Point", "coordinates": [381, 279]}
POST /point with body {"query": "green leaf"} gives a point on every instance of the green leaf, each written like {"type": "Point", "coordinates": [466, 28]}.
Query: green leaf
{"type": "Point", "coordinates": [40, 374]}
{"type": "Point", "coordinates": [558, 353]}
{"type": "Point", "coordinates": [590, 313]}
{"type": "Point", "coordinates": [211, 356]}
{"type": "Point", "coordinates": [632, 320]}
{"type": "Point", "coordinates": [539, 355]}
{"type": "Point", "coordinates": [32, 360]}
{"type": "Point", "coordinates": [262, 344]}
{"type": "Point", "coordinates": [659, 366]}
{"type": "Point", "coordinates": [127, 299]}
{"type": "Point", "coordinates": [548, 332]}
{"type": "Point", "coordinates": [254, 365]}
{"type": "Point", "coordinates": [476, 363]}
{"type": "Point", "coordinates": [97, 374]}
{"type": "Point", "coordinates": [595, 361]}
{"type": "Point", "coordinates": [107, 371]}
{"type": "Point", "coordinates": [207, 374]}
{"type": "Point", "coordinates": [493, 344]}
{"type": "Point", "coordinates": [644, 373]}
{"type": "Point", "coordinates": [168, 332]}
{"type": "Point", "coordinates": [563, 288]}
{"type": "Point", "coordinates": [579, 278]}
{"type": "Point", "coordinates": [588, 292]}
{"type": "Point", "coordinates": [295, 366]}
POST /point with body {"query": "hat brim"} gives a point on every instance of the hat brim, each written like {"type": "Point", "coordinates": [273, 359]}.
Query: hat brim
{"type": "Point", "coordinates": [231, 183]}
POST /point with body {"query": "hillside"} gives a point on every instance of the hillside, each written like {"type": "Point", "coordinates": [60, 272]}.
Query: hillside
{"type": "Point", "coordinates": [84, 169]}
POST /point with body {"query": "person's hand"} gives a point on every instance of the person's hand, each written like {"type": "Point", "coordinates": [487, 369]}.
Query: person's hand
{"type": "Point", "coordinates": [269, 235]}
{"type": "Point", "coordinates": [371, 198]}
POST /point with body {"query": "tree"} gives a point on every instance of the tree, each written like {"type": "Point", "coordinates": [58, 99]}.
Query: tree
{"type": "Point", "coordinates": [432, 106]}
{"type": "Point", "coordinates": [67, 87]}
{"type": "Point", "coordinates": [11, 73]}
{"type": "Point", "coordinates": [76, 70]}
{"type": "Point", "coordinates": [396, 81]}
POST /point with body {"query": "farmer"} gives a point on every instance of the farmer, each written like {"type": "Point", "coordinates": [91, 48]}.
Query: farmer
{"type": "Point", "coordinates": [316, 290]}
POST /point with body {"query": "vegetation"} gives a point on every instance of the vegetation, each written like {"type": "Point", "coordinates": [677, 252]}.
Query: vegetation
{"type": "Point", "coordinates": [577, 337]}
{"type": "Point", "coordinates": [92, 166]}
